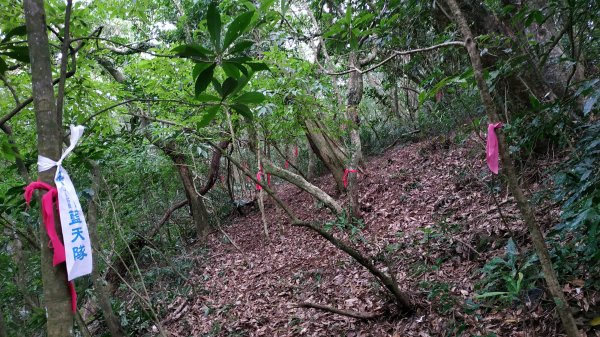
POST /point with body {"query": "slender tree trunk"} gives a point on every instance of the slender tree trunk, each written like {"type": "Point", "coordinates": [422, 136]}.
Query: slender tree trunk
{"type": "Point", "coordinates": [509, 170]}
{"type": "Point", "coordinates": [102, 293]}
{"type": "Point", "coordinates": [355, 92]}
{"type": "Point", "coordinates": [57, 300]}
{"type": "Point", "coordinates": [197, 208]}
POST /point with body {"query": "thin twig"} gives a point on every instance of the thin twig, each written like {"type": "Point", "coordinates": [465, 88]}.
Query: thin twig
{"type": "Point", "coordinates": [354, 314]}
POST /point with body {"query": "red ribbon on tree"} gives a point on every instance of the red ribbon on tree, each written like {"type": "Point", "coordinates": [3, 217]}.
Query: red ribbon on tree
{"type": "Point", "coordinates": [286, 165]}
{"type": "Point", "coordinates": [492, 152]}
{"type": "Point", "coordinates": [345, 178]}
{"type": "Point", "coordinates": [48, 219]}
{"type": "Point", "coordinates": [296, 151]}
{"type": "Point", "coordinates": [258, 177]}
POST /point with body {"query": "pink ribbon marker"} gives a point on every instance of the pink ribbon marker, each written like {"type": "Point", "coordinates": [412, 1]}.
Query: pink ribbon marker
{"type": "Point", "coordinates": [48, 220]}
{"type": "Point", "coordinates": [296, 152]}
{"type": "Point", "coordinates": [287, 164]}
{"type": "Point", "coordinates": [492, 147]}
{"type": "Point", "coordinates": [345, 178]}
{"type": "Point", "coordinates": [258, 177]}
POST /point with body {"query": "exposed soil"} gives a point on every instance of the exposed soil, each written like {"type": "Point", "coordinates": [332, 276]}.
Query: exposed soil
{"type": "Point", "coordinates": [427, 210]}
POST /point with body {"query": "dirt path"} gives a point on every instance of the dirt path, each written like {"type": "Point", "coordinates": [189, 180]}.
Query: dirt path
{"type": "Point", "coordinates": [423, 209]}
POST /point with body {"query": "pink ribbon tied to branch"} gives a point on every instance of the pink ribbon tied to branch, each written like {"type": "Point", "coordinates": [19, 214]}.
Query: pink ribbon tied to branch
{"type": "Point", "coordinates": [345, 178]}
{"type": "Point", "coordinates": [48, 219]}
{"type": "Point", "coordinates": [492, 152]}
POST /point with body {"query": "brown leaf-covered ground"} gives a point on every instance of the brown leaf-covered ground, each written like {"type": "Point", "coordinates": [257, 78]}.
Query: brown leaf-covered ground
{"type": "Point", "coordinates": [427, 210]}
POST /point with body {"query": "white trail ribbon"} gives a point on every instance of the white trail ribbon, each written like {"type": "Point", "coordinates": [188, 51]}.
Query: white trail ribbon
{"type": "Point", "coordinates": [78, 248]}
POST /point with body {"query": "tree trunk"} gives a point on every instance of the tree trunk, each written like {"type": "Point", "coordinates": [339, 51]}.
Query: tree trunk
{"type": "Point", "coordinates": [537, 237]}
{"type": "Point", "coordinates": [102, 292]}
{"type": "Point", "coordinates": [197, 208]}
{"type": "Point", "coordinates": [57, 300]}
{"type": "Point", "coordinates": [328, 150]}
{"type": "Point", "coordinates": [355, 92]}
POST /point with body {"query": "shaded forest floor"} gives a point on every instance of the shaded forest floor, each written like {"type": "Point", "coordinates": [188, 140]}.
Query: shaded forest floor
{"type": "Point", "coordinates": [427, 210]}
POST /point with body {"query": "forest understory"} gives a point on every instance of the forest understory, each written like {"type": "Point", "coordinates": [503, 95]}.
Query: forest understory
{"type": "Point", "coordinates": [412, 198]}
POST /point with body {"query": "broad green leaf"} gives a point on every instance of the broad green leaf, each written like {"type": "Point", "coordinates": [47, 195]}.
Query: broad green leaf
{"type": "Point", "coordinates": [19, 53]}
{"type": "Point", "coordinates": [250, 97]}
{"type": "Point", "coordinates": [17, 31]}
{"type": "Point", "coordinates": [229, 86]}
{"type": "Point", "coordinates": [213, 21]}
{"type": "Point", "coordinates": [241, 46]}
{"type": "Point", "coordinates": [199, 68]}
{"type": "Point", "coordinates": [242, 68]}
{"type": "Point", "coordinates": [265, 5]}
{"type": "Point", "coordinates": [191, 50]}
{"type": "Point", "coordinates": [258, 66]}
{"type": "Point", "coordinates": [208, 117]}
{"type": "Point", "coordinates": [230, 69]}
{"type": "Point", "coordinates": [243, 110]}
{"type": "Point", "coordinates": [236, 28]}
{"type": "Point", "coordinates": [204, 80]}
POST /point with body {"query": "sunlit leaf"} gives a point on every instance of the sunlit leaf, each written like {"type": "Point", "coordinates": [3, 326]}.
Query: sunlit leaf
{"type": "Point", "coordinates": [236, 28]}
{"type": "Point", "coordinates": [208, 117]}
{"type": "Point", "coordinates": [250, 97]}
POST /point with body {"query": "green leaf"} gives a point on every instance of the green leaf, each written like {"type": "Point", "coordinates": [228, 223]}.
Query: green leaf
{"type": "Point", "coordinates": [3, 66]}
{"type": "Point", "coordinates": [236, 28]}
{"type": "Point", "coordinates": [208, 117]}
{"type": "Point", "coordinates": [217, 86]}
{"type": "Point", "coordinates": [213, 21]}
{"type": "Point", "coordinates": [241, 46]}
{"type": "Point", "coordinates": [491, 294]}
{"type": "Point", "coordinates": [229, 86]}
{"type": "Point", "coordinates": [199, 68]}
{"type": "Point", "coordinates": [243, 110]}
{"type": "Point", "coordinates": [204, 80]}
{"type": "Point", "coordinates": [191, 51]}
{"type": "Point", "coordinates": [17, 31]}
{"type": "Point", "coordinates": [231, 70]}
{"type": "Point", "coordinates": [250, 97]}
{"type": "Point", "coordinates": [258, 66]}
{"type": "Point", "coordinates": [19, 53]}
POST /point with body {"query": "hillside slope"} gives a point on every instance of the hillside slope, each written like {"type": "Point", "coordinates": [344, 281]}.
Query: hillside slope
{"type": "Point", "coordinates": [426, 208]}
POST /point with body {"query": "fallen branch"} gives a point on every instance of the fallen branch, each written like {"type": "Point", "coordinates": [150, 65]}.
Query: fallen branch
{"type": "Point", "coordinates": [354, 314]}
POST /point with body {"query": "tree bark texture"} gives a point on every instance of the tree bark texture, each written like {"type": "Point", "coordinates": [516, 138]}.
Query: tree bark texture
{"type": "Point", "coordinates": [355, 92]}
{"type": "Point", "coordinates": [197, 208]}
{"type": "Point", "coordinates": [509, 171]}
{"type": "Point", "coordinates": [57, 300]}
{"type": "Point", "coordinates": [329, 151]}
{"type": "Point", "coordinates": [300, 182]}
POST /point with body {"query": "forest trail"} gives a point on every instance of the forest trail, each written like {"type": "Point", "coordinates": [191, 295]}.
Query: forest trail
{"type": "Point", "coordinates": [423, 207]}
